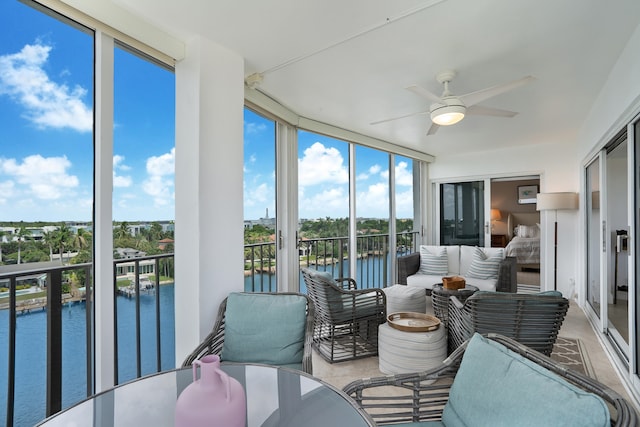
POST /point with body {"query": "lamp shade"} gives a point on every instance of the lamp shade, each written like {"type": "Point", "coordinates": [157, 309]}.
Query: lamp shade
{"type": "Point", "coordinates": [496, 214]}
{"type": "Point", "coordinates": [556, 201]}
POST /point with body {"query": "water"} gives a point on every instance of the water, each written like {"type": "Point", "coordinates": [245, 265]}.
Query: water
{"type": "Point", "coordinates": [31, 343]}
{"type": "Point", "coordinates": [31, 352]}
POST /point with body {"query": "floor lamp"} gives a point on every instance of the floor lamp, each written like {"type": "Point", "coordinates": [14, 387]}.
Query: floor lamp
{"type": "Point", "coordinates": [555, 202]}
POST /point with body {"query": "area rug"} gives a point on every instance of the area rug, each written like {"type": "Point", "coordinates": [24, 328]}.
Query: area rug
{"type": "Point", "coordinates": [571, 353]}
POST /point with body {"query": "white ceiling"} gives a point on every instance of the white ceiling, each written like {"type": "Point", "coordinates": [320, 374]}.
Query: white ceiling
{"type": "Point", "coordinates": [347, 63]}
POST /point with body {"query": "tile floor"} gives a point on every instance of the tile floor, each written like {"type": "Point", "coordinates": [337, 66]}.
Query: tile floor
{"type": "Point", "coordinates": [575, 325]}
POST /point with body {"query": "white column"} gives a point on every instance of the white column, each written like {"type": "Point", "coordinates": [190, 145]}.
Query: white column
{"type": "Point", "coordinates": [209, 191]}
{"type": "Point", "coordinates": [103, 232]}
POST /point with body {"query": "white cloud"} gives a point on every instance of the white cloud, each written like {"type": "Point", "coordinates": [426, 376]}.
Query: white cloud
{"type": "Point", "coordinates": [320, 164]}
{"type": "Point", "coordinates": [48, 104]}
{"type": "Point", "coordinates": [333, 202]}
{"type": "Point", "coordinates": [159, 183]}
{"type": "Point", "coordinates": [404, 176]}
{"type": "Point", "coordinates": [6, 191]}
{"type": "Point", "coordinates": [120, 181]}
{"type": "Point", "coordinates": [253, 127]}
{"type": "Point", "coordinates": [45, 177]}
{"type": "Point", "coordinates": [163, 164]}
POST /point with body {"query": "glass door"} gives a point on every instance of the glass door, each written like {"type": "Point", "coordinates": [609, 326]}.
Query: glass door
{"type": "Point", "coordinates": [593, 234]}
{"type": "Point", "coordinates": [617, 253]}
{"type": "Point", "coordinates": [462, 214]}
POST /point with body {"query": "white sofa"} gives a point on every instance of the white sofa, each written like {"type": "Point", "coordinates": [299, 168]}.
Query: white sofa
{"type": "Point", "coordinates": [459, 262]}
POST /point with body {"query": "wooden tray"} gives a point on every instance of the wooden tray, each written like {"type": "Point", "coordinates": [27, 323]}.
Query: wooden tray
{"type": "Point", "coordinates": [413, 322]}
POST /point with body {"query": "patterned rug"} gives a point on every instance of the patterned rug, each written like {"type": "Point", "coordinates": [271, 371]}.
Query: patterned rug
{"type": "Point", "coordinates": [571, 353]}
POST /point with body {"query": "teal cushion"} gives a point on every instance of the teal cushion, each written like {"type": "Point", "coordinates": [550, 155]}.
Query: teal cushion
{"type": "Point", "coordinates": [497, 387]}
{"type": "Point", "coordinates": [262, 328]}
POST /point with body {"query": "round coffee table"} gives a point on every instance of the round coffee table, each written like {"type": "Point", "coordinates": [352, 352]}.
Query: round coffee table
{"type": "Point", "coordinates": [440, 299]}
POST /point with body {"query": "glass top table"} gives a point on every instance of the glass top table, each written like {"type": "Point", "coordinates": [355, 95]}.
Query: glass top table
{"type": "Point", "coordinates": [275, 397]}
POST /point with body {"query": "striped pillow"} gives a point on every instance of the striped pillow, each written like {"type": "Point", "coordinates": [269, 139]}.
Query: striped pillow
{"type": "Point", "coordinates": [483, 267]}
{"type": "Point", "coordinates": [434, 264]}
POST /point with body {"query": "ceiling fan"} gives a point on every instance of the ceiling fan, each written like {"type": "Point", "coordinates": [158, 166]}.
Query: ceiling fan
{"type": "Point", "coordinates": [449, 109]}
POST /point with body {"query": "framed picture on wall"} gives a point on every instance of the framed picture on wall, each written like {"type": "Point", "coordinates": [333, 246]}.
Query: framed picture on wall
{"type": "Point", "coordinates": [527, 194]}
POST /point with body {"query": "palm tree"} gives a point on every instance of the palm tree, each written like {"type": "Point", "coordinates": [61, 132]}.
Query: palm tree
{"type": "Point", "coordinates": [80, 239]}
{"type": "Point", "coordinates": [22, 235]}
{"type": "Point", "coordinates": [122, 232]}
{"type": "Point", "coordinates": [62, 238]}
{"type": "Point", "coordinates": [49, 238]}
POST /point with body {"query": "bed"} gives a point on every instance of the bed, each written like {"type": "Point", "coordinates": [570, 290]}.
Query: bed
{"type": "Point", "coordinates": [524, 239]}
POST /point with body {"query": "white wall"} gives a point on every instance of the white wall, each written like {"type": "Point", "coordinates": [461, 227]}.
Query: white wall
{"type": "Point", "coordinates": [557, 165]}
{"type": "Point", "coordinates": [209, 176]}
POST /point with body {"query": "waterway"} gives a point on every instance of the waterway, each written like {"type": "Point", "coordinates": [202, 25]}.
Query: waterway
{"type": "Point", "coordinates": [31, 343]}
{"type": "Point", "coordinates": [31, 356]}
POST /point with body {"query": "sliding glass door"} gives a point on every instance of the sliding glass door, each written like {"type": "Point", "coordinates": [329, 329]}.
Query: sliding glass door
{"type": "Point", "coordinates": [607, 226]}
{"type": "Point", "coordinates": [462, 213]}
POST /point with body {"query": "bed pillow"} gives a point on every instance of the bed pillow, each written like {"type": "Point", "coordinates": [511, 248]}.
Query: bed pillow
{"type": "Point", "coordinates": [527, 231]}
{"type": "Point", "coordinates": [483, 266]}
{"type": "Point", "coordinates": [434, 263]}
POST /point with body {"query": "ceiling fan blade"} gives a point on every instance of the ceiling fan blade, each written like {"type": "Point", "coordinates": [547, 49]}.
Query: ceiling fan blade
{"type": "Point", "coordinates": [484, 94]}
{"type": "Point", "coordinates": [420, 91]}
{"type": "Point", "coordinates": [433, 129]}
{"type": "Point", "coordinates": [479, 110]}
{"type": "Point", "coordinates": [398, 117]}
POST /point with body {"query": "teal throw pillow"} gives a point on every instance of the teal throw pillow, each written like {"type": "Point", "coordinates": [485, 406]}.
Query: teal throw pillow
{"type": "Point", "coordinates": [264, 328]}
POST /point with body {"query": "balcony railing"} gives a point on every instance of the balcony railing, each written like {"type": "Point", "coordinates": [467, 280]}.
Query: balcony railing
{"type": "Point", "coordinates": [52, 300]}
{"type": "Point", "coordinates": [330, 254]}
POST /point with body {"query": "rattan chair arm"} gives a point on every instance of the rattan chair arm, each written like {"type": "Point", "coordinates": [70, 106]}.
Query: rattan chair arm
{"type": "Point", "coordinates": [212, 344]}
{"type": "Point", "coordinates": [408, 265]}
{"type": "Point", "coordinates": [351, 284]}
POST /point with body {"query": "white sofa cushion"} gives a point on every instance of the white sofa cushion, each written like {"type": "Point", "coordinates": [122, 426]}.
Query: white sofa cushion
{"type": "Point", "coordinates": [483, 266]}
{"type": "Point", "coordinates": [434, 260]}
{"type": "Point", "coordinates": [459, 261]}
{"type": "Point", "coordinates": [467, 254]}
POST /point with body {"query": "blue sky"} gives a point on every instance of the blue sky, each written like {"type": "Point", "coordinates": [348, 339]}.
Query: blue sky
{"type": "Point", "coordinates": [46, 148]}
{"type": "Point", "coordinates": [46, 144]}
{"type": "Point", "coordinates": [323, 176]}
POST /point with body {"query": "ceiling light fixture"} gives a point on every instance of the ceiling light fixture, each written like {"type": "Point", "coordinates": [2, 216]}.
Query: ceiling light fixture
{"type": "Point", "coordinates": [445, 115]}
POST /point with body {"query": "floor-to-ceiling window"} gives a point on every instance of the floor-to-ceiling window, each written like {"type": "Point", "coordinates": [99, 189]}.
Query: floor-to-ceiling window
{"type": "Point", "coordinates": [323, 202]}
{"type": "Point", "coordinates": [46, 190]}
{"type": "Point", "coordinates": [144, 204]}
{"type": "Point", "coordinates": [372, 216]}
{"type": "Point", "coordinates": [50, 184]}
{"type": "Point", "coordinates": [260, 267]}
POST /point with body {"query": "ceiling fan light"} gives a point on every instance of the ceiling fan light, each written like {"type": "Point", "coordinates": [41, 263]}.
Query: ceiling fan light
{"type": "Point", "coordinates": [448, 115]}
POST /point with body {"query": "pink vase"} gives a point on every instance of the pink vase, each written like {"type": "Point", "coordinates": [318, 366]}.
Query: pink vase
{"type": "Point", "coordinates": [214, 400]}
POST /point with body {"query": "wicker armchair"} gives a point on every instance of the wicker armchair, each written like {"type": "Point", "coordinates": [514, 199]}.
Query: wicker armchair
{"type": "Point", "coordinates": [347, 318]}
{"type": "Point", "coordinates": [421, 397]}
{"type": "Point", "coordinates": [531, 319]}
{"type": "Point", "coordinates": [271, 311]}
